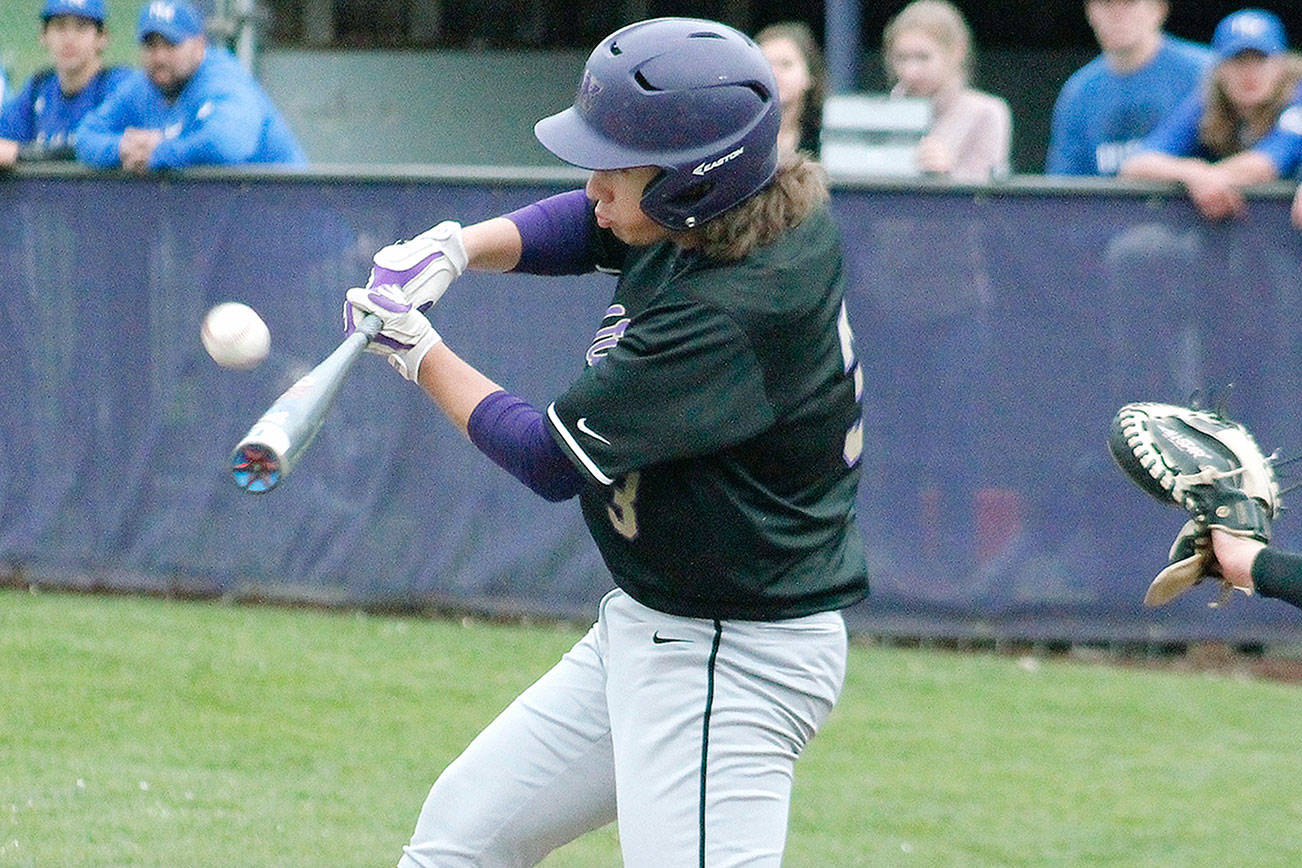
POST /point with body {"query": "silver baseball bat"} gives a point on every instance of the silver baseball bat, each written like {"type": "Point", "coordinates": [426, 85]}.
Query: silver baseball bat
{"type": "Point", "coordinates": [279, 438]}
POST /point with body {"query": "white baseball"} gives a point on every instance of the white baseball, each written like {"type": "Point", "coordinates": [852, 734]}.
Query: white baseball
{"type": "Point", "coordinates": [235, 336]}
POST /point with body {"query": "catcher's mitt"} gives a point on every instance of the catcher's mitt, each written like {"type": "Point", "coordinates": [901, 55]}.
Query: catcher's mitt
{"type": "Point", "coordinates": [1208, 465]}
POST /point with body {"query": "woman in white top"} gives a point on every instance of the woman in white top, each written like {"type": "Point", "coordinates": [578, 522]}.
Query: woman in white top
{"type": "Point", "coordinates": [928, 52]}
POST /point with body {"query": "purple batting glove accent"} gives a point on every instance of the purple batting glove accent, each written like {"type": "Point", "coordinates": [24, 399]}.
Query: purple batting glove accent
{"type": "Point", "coordinates": [351, 319]}
{"type": "Point", "coordinates": [392, 305]}
{"type": "Point", "coordinates": [386, 341]}
{"type": "Point", "coordinates": [389, 304]}
{"type": "Point", "coordinates": [381, 276]}
{"type": "Point", "coordinates": [353, 315]}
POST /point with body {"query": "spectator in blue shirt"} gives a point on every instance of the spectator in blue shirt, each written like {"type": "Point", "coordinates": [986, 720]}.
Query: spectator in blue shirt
{"type": "Point", "coordinates": [1107, 106]}
{"type": "Point", "coordinates": [192, 104]}
{"type": "Point", "coordinates": [38, 122]}
{"type": "Point", "coordinates": [1243, 128]}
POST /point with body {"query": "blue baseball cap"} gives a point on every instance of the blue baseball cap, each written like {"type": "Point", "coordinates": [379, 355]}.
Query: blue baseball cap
{"type": "Point", "coordinates": [1249, 30]}
{"type": "Point", "coordinates": [92, 10]}
{"type": "Point", "coordinates": [174, 20]}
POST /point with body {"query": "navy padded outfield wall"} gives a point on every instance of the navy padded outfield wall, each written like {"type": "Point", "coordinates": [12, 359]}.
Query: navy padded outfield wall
{"type": "Point", "coordinates": [999, 331]}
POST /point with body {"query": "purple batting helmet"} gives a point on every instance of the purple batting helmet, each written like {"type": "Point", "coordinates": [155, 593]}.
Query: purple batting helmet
{"type": "Point", "coordinates": [695, 98]}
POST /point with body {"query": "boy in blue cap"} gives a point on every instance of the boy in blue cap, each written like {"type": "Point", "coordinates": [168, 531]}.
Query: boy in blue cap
{"type": "Point", "coordinates": [38, 122]}
{"type": "Point", "coordinates": [1243, 128]}
{"type": "Point", "coordinates": [192, 104]}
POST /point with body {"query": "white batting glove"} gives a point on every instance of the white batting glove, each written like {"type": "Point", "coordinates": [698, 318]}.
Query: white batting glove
{"type": "Point", "coordinates": [424, 266]}
{"type": "Point", "coordinates": [406, 335]}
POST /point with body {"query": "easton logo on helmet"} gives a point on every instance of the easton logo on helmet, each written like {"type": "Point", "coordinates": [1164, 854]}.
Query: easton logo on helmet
{"type": "Point", "coordinates": [714, 164]}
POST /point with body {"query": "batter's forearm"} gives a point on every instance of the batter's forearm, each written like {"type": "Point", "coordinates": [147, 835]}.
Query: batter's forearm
{"type": "Point", "coordinates": [556, 234]}
{"type": "Point", "coordinates": [546, 237]}
{"type": "Point", "coordinates": [505, 428]}
{"type": "Point", "coordinates": [512, 432]}
{"type": "Point", "coordinates": [493, 245]}
{"type": "Point", "coordinates": [454, 384]}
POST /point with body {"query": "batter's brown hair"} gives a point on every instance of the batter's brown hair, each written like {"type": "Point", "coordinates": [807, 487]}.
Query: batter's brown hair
{"type": "Point", "coordinates": [798, 188]}
{"type": "Point", "coordinates": [1224, 130]}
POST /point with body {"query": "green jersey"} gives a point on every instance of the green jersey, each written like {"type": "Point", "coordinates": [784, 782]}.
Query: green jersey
{"type": "Point", "coordinates": [718, 421]}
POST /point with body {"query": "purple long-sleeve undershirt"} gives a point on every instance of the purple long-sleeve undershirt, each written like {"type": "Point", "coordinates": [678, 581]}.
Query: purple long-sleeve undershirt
{"type": "Point", "coordinates": [554, 235]}
{"type": "Point", "coordinates": [511, 432]}
{"type": "Point", "coordinates": [554, 239]}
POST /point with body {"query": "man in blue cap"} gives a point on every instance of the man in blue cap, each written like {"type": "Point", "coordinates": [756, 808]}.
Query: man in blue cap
{"type": "Point", "coordinates": [1243, 128]}
{"type": "Point", "coordinates": [38, 122]}
{"type": "Point", "coordinates": [192, 104]}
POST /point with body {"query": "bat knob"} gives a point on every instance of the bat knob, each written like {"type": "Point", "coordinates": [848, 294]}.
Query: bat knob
{"type": "Point", "coordinates": [256, 467]}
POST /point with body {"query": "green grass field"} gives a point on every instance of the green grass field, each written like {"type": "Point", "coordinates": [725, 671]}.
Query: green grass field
{"type": "Point", "coordinates": [148, 732]}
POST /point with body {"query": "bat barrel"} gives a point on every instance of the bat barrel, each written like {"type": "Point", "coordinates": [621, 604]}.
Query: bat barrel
{"type": "Point", "coordinates": [256, 467]}
{"type": "Point", "coordinates": [273, 445]}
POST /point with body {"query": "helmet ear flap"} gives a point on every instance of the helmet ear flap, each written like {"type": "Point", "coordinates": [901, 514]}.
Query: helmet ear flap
{"type": "Point", "coordinates": [650, 193]}
{"type": "Point", "coordinates": [685, 200]}
{"type": "Point", "coordinates": [682, 201]}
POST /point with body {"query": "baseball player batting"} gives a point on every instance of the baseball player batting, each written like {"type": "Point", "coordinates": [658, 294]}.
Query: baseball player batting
{"type": "Point", "coordinates": [713, 440]}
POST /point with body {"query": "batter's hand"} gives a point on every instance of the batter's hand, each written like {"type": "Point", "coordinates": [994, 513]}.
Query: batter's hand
{"type": "Point", "coordinates": [406, 335]}
{"type": "Point", "coordinates": [1297, 208]}
{"type": "Point", "coordinates": [423, 267]}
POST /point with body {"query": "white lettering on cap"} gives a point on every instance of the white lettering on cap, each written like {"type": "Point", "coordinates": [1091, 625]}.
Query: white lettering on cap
{"type": "Point", "coordinates": [1249, 25]}
{"type": "Point", "coordinates": [162, 11]}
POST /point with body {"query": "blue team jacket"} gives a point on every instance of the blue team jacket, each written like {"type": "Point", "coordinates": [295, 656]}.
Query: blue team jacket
{"type": "Point", "coordinates": [41, 114]}
{"type": "Point", "coordinates": [221, 117]}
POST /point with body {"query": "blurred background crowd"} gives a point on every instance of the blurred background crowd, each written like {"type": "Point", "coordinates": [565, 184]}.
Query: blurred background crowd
{"type": "Point", "coordinates": [994, 88]}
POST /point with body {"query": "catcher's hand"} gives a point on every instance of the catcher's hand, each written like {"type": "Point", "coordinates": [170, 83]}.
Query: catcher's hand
{"type": "Point", "coordinates": [1208, 465]}
{"type": "Point", "coordinates": [1192, 561]}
